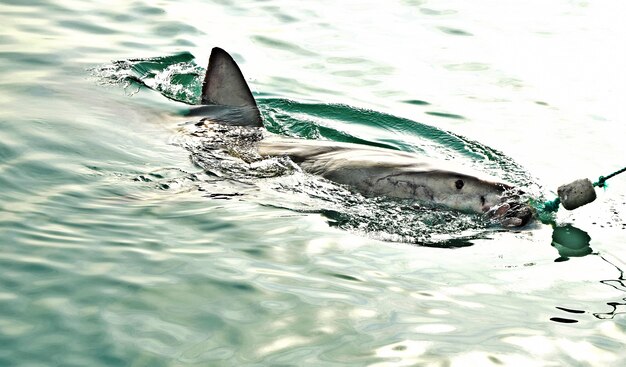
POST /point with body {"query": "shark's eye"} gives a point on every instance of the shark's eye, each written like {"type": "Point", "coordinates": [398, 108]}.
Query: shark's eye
{"type": "Point", "coordinates": [459, 184]}
{"type": "Point", "coordinates": [482, 200]}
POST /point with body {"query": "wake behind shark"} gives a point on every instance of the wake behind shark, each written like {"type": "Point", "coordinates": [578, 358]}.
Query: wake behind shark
{"type": "Point", "coordinates": [227, 102]}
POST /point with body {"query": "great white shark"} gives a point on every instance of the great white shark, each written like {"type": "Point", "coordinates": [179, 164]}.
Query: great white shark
{"type": "Point", "coordinates": [372, 171]}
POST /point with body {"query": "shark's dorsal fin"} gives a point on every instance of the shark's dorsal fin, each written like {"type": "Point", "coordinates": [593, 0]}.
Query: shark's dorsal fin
{"type": "Point", "coordinates": [225, 85]}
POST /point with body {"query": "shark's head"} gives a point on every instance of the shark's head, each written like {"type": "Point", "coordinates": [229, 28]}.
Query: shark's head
{"type": "Point", "coordinates": [466, 192]}
{"type": "Point", "coordinates": [500, 202]}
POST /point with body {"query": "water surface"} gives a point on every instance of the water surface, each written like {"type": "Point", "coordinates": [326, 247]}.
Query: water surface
{"type": "Point", "coordinates": [112, 254]}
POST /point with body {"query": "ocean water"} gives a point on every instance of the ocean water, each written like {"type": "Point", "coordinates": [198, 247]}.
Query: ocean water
{"type": "Point", "coordinates": [123, 243]}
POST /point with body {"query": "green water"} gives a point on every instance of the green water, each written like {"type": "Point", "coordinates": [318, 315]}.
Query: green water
{"type": "Point", "coordinates": [117, 250]}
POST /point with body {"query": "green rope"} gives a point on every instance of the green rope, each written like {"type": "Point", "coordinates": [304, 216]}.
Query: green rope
{"type": "Point", "coordinates": [553, 205]}
{"type": "Point", "coordinates": [602, 180]}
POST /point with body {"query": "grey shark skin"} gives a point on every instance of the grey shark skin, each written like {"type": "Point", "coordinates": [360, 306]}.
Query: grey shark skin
{"type": "Point", "coordinates": [371, 171]}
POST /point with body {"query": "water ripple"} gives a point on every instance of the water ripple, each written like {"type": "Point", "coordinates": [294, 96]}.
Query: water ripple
{"type": "Point", "coordinates": [117, 250]}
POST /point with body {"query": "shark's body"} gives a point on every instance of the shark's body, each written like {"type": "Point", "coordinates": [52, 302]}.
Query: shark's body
{"type": "Point", "coordinates": [369, 170]}
{"type": "Point", "coordinates": [384, 172]}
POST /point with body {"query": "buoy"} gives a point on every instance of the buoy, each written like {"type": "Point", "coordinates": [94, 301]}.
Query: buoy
{"type": "Point", "coordinates": [573, 195]}
{"type": "Point", "coordinates": [576, 194]}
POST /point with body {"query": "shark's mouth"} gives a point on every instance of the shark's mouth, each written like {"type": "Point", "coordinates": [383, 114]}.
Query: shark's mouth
{"type": "Point", "coordinates": [513, 210]}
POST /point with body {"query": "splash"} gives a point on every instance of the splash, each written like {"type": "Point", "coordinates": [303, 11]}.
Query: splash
{"type": "Point", "coordinates": [176, 77]}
